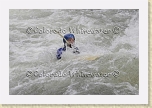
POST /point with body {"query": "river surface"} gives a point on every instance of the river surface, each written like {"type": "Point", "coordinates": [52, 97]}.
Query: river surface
{"type": "Point", "coordinates": [108, 63]}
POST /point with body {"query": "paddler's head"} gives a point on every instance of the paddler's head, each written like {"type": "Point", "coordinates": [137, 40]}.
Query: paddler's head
{"type": "Point", "coordinates": [70, 39]}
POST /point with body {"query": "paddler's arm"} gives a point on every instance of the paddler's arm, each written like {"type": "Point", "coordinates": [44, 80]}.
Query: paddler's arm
{"type": "Point", "coordinates": [59, 53]}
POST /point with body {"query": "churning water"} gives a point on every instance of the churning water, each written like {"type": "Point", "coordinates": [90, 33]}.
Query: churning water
{"type": "Point", "coordinates": [110, 35]}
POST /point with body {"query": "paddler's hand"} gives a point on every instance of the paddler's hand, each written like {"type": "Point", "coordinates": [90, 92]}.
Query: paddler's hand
{"type": "Point", "coordinates": [76, 50]}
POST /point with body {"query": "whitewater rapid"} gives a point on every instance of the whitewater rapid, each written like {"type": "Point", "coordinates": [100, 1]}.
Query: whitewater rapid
{"type": "Point", "coordinates": [110, 35]}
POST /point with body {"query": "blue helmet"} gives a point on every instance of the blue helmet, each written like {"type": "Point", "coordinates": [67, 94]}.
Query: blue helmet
{"type": "Point", "coordinates": [68, 36]}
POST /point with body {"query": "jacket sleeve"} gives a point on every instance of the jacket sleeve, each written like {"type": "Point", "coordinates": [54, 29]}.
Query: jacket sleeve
{"type": "Point", "coordinates": [59, 53]}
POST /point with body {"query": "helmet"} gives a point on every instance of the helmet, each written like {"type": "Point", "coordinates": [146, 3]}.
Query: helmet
{"type": "Point", "coordinates": [68, 36]}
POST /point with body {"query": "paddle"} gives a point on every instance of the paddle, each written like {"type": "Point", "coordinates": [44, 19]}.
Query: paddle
{"type": "Point", "coordinates": [62, 37]}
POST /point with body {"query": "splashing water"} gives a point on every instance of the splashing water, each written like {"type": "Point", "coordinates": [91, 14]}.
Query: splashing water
{"type": "Point", "coordinates": [110, 35]}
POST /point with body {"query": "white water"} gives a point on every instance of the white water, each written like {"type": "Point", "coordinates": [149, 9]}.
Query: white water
{"type": "Point", "coordinates": [36, 52]}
